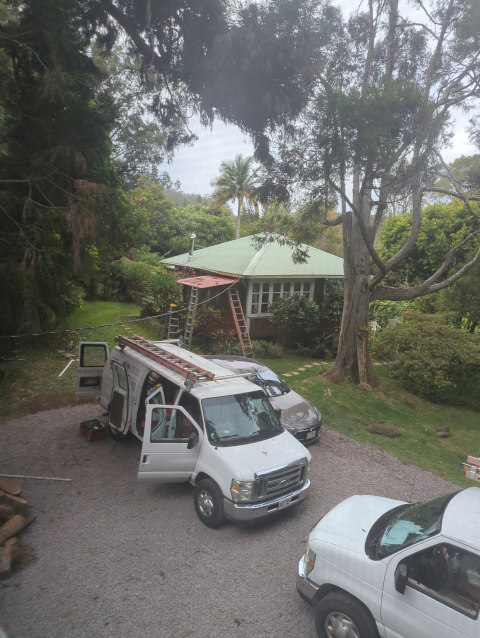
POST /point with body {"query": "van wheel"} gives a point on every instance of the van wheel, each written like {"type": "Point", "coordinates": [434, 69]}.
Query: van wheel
{"type": "Point", "coordinates": [208, 500]}
{"type": "Point", "coordinates": [116, 434]}
{"type": "Point", "coordinates": [339, 615]}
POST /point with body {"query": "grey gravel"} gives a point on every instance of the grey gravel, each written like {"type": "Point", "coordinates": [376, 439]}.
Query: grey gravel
{"type": "Point", "coordinates": [119, 559]}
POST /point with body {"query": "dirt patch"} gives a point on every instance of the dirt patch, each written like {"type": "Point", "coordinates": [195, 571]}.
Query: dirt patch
{"type": "Point", "coordinates": [54, 401]}
{"type": "Point", "coordinates": [383, 429]}
{"type": "Point", "coordinates": [24, 556]}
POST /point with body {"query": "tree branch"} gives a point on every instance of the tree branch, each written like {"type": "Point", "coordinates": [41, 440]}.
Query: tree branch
{"type": "Point", "coordinates": [144, 49]}
{"type": "Point", "coordinates": [428, 286]}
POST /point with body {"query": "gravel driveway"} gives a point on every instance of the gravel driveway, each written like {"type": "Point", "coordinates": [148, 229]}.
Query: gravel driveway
{"type": "Point", "coordinates": [117, 559]}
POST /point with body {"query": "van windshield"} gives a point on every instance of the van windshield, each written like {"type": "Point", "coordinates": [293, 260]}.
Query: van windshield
{"type": "Point", "coordinates": [240, 418]}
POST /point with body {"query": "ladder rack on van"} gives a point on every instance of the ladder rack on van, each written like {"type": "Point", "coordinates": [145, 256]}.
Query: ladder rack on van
{"type": "Point", "coordinates": [166, 358]}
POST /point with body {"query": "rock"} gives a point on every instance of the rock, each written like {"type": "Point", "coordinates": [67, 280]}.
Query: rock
{"type": "Point", "coordinates": [6, 512]}
{"type": "Point", "coordinates": [6, 554]}
{"type": "Point", "coordinates": [443, 428]}
{"type": "Point", "coordinates": [19, 504]}
{"type": "Point", "coordinates": [383, 429]}
{"type": "Point", "coordinates": [442, 435]}
{"type": "Point", "coordinates": [11, 487]}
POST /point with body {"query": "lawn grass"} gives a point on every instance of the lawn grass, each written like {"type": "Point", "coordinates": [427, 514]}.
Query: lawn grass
{"type": "Point", "coordinates": [345, 409]}
{"type": "Point", "coordinates": [36, 363]}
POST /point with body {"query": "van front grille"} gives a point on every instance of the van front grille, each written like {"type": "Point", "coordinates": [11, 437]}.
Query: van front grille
{"type": "Point", "coordinates": [281, 482]}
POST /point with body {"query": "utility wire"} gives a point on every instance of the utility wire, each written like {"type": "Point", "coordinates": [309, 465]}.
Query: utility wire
{"type": "Point", "coordinates": [118, 323]}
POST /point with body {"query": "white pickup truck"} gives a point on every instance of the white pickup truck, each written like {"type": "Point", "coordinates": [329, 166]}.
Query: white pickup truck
{"type": "Point", "coordinates": [197, 423]}
{"type": "Point", "coordinates": [377, 567]}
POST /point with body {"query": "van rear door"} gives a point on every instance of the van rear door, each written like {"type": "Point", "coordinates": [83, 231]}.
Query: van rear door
{"type": "Point", "coordinates": [92, 357]}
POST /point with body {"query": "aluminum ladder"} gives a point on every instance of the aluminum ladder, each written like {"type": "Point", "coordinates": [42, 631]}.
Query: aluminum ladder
{"type": "Point", "coordinates": [167, 358]}
{"type": "Point", "coordinates": [192, 311]}
{"type": "Point", "coordinates": [240, 323]}
{"type": "Point", "coordinates": [173, 323]}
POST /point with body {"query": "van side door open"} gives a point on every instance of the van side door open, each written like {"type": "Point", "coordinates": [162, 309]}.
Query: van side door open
{"type": "Point", "coordinates": [171, 445]}
{"type": "Point", "coordinates": [92, 356]}
{"type": "Point", "coordinates": [118, 414]}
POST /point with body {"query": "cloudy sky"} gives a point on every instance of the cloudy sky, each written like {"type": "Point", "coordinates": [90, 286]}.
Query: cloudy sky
{"type": "Point", "coordinates": [196, 166]}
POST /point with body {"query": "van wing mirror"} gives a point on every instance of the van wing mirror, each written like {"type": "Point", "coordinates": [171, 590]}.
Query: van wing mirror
{"type": "Point", "coordinates": [278, 412]}
{"type": "Point", "coordinates": [401, 578]}
{"type": "Point", "coordinates": [192, 440]}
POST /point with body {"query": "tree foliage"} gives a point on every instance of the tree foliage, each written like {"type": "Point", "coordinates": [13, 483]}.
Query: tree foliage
{"type": "Point", "coordinates": [431, 357]}
{"type": "Point", "coordinates": [443, 225]}
{"type": "Point", "coordinates": [236, 182]}
{"type": "Point", "coordinates": [295, 312]}
{"type": "Point", "coordinates": [167, 228]}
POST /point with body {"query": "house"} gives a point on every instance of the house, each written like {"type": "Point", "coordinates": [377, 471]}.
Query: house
{"type": "Point", "coordinates": [263, 276]}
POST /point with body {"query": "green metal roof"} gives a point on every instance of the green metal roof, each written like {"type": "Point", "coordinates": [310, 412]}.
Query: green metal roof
{"type": "Point", "coordinates": [240, 258]}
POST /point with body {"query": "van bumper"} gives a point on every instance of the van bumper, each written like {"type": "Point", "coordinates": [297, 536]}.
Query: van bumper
{"type": "Point", "coordinates": [258, 511]}
{"type": "Point", "coordinates": [305, 587]}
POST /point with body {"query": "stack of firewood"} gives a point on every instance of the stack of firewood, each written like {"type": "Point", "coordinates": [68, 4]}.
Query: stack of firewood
{"type": "Point", "coordinates": [13, 519]}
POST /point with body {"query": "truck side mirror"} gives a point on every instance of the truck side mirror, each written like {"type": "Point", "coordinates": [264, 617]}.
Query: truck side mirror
{"type": "Point", "coordinates": [401, 578]}
{"type": "Point", "coordinates": [278, 412]}
{"type": "Point", "coordinates": [192, 440]}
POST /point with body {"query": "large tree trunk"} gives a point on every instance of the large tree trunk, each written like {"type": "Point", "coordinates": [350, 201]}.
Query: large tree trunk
{"type": "Point", "coordinates": [355, 309]}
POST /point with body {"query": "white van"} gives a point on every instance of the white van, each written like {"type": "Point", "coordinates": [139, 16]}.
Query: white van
{"type": "Point", "coordinates": [197, 423]}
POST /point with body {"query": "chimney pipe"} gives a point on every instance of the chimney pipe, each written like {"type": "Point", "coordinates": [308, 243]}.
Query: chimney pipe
{"type": "Point", "coordinates": [190, 252]}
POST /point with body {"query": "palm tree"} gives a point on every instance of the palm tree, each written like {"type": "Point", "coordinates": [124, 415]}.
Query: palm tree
{"type": "Point", "coordinates": [235, 181]}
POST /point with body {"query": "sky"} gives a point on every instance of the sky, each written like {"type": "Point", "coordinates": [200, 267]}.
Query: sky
{"type": "Point", "coordinates": [194, 167]}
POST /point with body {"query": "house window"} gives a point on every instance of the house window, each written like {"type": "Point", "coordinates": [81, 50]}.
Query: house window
{"type": "Point", "coordinates": [265, 292]}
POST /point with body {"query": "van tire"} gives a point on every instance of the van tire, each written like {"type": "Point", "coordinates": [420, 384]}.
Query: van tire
{"type": "Point", "coordinates": [350, 608]}
{"type": "Point", "coordinates": [116, 434]}
{"type": "Point", "coordinates": [208, 499]}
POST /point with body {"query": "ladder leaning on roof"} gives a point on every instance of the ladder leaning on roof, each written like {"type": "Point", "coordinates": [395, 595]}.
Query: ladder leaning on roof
{"type": "Point", "coordinates": [240, 323]}
{"type": "Point", "coordinates": [192, 310]}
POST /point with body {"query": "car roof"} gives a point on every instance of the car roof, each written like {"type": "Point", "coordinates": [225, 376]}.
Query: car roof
{"type": "Point", "coordinates": [461, 519]}
{"type": "Point", "coordinates": [201, 389]}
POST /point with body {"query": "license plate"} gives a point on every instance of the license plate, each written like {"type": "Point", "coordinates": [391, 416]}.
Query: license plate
{"type": "Point", "coordinates": [311, 435]}
{"type": "Point", "coordinates": [285, 503]}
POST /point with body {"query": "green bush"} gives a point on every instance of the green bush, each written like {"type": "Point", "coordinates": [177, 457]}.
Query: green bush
{"type": "Point", "coordinates": [295, 312]}
{"type": "Point", "coordinates": [430, 356]}
{"type": "Point", "coordinates": [267, 350]}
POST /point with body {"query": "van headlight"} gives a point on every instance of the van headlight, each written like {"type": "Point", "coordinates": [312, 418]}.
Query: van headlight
{"type": "Point", "coordinates": [241, 490]}
{"type": "Point", "coordinates": [308, 560]}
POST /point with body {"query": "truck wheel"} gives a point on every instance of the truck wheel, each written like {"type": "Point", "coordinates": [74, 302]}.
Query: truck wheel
{"type": "Point", "coordinates": [339, 615]}
{"type": "Point", "coordinates": [116, 434]}
{"type": "Point", "coordinates": [208, 499]}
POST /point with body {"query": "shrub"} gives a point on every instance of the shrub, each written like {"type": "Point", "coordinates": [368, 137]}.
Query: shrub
{"type": "Point", "coordinates": [266, 350]}
{"type": "Point", "coordinates": [431, 357]}
{"type": "Point", "coordinates": [295, 312]}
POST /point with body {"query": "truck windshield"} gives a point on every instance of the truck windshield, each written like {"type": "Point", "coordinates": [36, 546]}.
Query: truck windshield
{"type": "Point", "coordinates": [240, 418]}
{"type": "Point", "coordinates": [413, 525]}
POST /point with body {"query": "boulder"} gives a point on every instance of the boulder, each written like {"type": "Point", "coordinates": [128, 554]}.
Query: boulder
{"type": "Point", "coordinates": [383, 429]}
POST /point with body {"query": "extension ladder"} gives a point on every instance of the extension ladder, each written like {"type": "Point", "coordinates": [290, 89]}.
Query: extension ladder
{"type": "Point", "coordinates": [173, 324]}
{"type": "Point", "coordinates": [240, 323]}
{"type": "Point", "coordinates": [165, 357]}
{"type": "Point", "coordinates": [192, 310]}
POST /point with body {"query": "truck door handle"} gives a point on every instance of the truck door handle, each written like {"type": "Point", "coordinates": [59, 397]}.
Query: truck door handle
{"type": "Point", "coordinates": [145, 456]}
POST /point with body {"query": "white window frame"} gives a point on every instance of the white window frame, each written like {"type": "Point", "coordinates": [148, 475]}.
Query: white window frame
{"type": "Point", "coordinates": [276, 287]}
